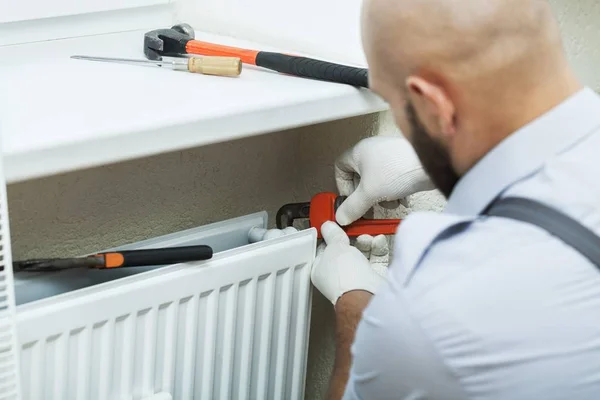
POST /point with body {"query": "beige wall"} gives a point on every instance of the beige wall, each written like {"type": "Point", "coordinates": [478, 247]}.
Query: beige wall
{"type": "Point", "coordinates": [85, 211]}
{"type": "Point", "coordinates": [580, 24]}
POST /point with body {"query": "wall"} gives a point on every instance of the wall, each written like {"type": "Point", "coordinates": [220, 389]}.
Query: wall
{"type": "Point", "coordinates": [323, 29]}
{"type": "Point", "coordinates": [580, 24]}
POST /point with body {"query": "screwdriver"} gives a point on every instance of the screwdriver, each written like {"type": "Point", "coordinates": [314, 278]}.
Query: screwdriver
{"type": "Point", "coordinates": [119, 259]}
{"type": "Point", "coordinates": [209, 65]}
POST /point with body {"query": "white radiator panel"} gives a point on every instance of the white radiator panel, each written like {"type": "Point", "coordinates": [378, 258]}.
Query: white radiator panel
{"type": "Point", "coordinates": [9, 360]}
{"type": "Point", "coordinates": [234, 327]}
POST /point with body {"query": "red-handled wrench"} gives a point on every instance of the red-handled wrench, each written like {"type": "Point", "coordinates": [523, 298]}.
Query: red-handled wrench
{"type": "Point", "coordinates": [322, 208]}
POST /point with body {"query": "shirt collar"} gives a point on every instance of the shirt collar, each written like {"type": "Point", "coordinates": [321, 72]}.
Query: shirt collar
{"type": "Point", "coordinates": [525, 151]}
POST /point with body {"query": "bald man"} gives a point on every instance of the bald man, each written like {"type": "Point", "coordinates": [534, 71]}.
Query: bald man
{"type": "Point", "coordinates": [497, 297]}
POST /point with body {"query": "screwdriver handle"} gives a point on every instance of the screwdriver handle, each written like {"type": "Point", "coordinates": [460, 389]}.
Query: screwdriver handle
{"type": "Point", "coordinates": [214, 65]}
{"type": "Point", "coordinates": [168, 255]}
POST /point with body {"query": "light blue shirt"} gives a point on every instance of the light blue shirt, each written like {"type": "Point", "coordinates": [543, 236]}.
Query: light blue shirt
{"type": "Point", "coordinates": [491, 308]}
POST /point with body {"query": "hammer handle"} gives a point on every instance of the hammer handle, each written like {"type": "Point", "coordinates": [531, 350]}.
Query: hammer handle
{"type": "Point", "coordinates": [219, 50]}
{"type": "Point", "coordinates": [315, 69]}
{"type": "Point", "coordinates": [287, 64]}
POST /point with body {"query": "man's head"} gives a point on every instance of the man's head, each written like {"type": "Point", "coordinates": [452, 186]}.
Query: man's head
{"type": "Point", "coordinates": [460, 76]}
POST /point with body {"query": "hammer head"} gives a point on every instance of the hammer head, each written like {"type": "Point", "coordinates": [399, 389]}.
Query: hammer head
{"type": "Point", "coordinates": [165, 42]}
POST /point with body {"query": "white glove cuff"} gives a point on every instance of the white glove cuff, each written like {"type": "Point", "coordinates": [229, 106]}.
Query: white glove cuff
{"type": "Point", "coordinates": [355, 276]}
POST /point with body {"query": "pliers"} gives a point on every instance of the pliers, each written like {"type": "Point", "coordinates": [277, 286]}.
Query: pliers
{"type": "Point", "coordinates": [322, 208]}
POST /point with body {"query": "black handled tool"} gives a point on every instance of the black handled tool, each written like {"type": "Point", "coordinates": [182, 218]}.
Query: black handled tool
{"type": "Point", "coordinates": [119, 259]}
{"type": "Point", "coordinates": [180, 40]}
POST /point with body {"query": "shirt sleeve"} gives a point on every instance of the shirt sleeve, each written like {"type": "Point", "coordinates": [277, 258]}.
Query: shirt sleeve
{"type": "Point", "coordinates": [393, 358]}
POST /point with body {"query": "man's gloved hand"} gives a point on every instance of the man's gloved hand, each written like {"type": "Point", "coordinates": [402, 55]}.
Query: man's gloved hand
{"type": "Point", "coordinates": [388, 169]}
{"type": "Point", "coordinates": [340, 268]}
{"type": "Point", "coordinates": [376, 250]}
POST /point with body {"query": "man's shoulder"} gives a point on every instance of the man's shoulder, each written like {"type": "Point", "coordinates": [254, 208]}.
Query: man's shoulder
{"type": "Point", "coordinates": [417, 233]}
{"type": "Point", "coordinates": [488, 291]}
{"type": "Point", "coordinates": [470, 266]}
{"type": "Point", "coordinates": [433, 248]}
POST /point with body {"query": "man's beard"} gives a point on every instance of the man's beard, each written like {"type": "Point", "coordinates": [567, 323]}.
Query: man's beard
{"type": "Point", "coordinates": [433, 156]}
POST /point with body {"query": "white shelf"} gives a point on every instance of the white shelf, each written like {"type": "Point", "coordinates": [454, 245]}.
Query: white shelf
{"type": "Point", "coordinates": [58, 114]}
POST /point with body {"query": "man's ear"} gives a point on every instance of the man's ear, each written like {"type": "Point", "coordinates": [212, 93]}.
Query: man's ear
{"type": "Point", "coordinates": [435, 109]}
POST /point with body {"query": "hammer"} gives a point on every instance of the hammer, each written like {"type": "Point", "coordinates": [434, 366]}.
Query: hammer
{"type": "Point", "coordinates": [179, 39]}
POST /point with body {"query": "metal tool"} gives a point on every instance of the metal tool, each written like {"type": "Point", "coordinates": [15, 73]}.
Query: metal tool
{"type": "Point", "coordinates": [179, 39]}
{"type": "Point", "coordinates": [208, 65]}
{"type": "Point", "coordinates": [322, 208]}
{"type": "Point", "coordinates": [119, 259]}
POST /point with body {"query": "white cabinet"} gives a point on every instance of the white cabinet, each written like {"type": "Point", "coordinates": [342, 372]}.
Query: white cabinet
{"type": "Point", "coordinates": [233, 327]}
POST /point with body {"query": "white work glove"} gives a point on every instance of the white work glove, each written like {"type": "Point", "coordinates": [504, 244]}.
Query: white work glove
{"type": "Point", "coordinates": [376, 250]}
{"type": "Point", "coordinates": [340, 268]}
{"type": "Point", "coordinates": [378, 169]}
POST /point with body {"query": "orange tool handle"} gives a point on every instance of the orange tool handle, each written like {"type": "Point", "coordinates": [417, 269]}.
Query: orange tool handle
{"type": "Point", "coordinates": [322, 209]}
{"type": "Point", "coordinates": [372, 227]}
{"type": "Point", "coordinates": [211, 49]}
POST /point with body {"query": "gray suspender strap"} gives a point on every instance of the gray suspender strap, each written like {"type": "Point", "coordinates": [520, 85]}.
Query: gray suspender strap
{"type": "Point", "coordinates": [554, 222]}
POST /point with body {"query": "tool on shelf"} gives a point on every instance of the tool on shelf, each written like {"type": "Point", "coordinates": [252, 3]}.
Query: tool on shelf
{"type": "Point", "coordinates": [322, 208]}
{"type": "Point", "coordinates": [208, 65]}
{"type": "Point", "coordinates": [179, 39]}
{"type": "Point", "coordinates": [119, 259]}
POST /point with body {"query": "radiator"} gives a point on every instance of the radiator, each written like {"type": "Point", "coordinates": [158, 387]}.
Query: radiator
{"type": "Point", "coordinates": [234, 327]}
{"type": "Point", "coordinates": [9, 360]}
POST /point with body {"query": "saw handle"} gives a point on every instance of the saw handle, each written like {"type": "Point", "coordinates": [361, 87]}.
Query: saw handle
{"type": "Point", "coordinates": [286, 64]}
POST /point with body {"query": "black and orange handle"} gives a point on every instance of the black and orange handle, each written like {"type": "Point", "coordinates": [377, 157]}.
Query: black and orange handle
{"type": "Point", "coordinates": [284, 63]}
{"type": "Point", "coordinates": [168, 255]}
{"type": "Point", "coordinates": [119, 259]}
